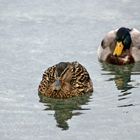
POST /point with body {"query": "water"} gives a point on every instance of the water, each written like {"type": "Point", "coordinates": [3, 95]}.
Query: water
{"type": "Point", "coordinates": [37, 34]}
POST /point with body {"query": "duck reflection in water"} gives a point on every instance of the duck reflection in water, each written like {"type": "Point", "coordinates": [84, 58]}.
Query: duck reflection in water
{"type": "Point", "coordinates": [122, 75]}
{"type": "Point", "coordinates": [122, 79]}
{"type": "Point", "coordinates": [65, 109]}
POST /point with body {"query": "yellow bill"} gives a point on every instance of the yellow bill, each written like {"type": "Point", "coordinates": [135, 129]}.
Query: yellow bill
{"type": "Point", "coordinates": [118, 49]}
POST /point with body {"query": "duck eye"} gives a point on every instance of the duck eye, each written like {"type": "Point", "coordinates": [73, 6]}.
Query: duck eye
{"type": "Point", "coordinates": [127, 40]}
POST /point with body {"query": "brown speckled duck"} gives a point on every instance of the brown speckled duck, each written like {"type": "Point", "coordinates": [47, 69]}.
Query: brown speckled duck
{"type": "Point", "coordinates": [120, 47]}
{"type": "Point", "coordinates": [65, 80]}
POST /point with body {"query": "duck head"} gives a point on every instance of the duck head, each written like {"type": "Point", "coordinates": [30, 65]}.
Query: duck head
{"type": "Point", "coordinates": [123, 41]}
{"type": "Point", "coordinates": [121, 54]}
{"type": "Point", "coordinates": [60, 70]}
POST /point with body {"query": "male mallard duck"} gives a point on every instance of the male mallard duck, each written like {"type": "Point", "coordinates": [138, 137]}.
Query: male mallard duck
{"type": "Point", "coordinates": [65, 80]}
{"type": "Point", "coordinates": [121, 46]}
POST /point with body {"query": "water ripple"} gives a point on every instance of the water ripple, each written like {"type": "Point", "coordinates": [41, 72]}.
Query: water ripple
{"type": "Point", "coordinates": [65, 109]}
{"type": "Point", "coordinates": [123, 78]}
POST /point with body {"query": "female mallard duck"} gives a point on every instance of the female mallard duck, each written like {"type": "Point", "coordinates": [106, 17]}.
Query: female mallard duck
{"type": "Point", "coordinates": [121, 46]}
{"type": "Point", "coordinates": [65, 80]}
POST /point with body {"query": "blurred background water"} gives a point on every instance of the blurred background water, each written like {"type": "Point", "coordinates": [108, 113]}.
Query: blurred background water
{"type": "Point", "coordinates": [37, 34]}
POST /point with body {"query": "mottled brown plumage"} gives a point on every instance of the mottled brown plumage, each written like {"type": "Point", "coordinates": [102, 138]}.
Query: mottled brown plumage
{"type": "Point", "coordinates": [65, 80]}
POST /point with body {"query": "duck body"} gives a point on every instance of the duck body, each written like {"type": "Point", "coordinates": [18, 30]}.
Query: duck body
{"type": "Point", "coordinates": [65, 80]}
{"type": "Point", "coordinates": [120, 47]}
